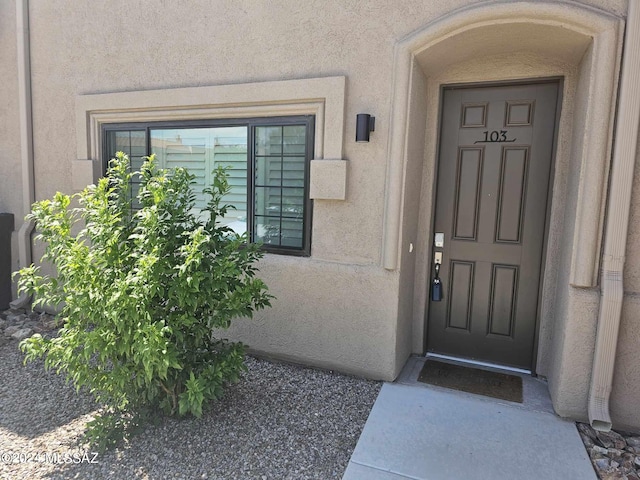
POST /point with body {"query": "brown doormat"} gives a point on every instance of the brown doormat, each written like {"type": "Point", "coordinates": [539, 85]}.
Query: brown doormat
{"type": "Point", "coordinates": [472, 380]}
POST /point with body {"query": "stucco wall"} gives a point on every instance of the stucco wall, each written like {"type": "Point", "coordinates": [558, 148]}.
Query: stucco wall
{"type": "Point", "coordinates": [625, 396]}
{"type": "Point", "coordinates": [10, 168]}
{"type": "Point", "coordinates": [561, 351]}
{"type": "Point", "coordinates": [339, 308]}
{"type": "Point", "coordinates": [123, 46]}
{"type": "Point", "coordinates": [570, 300]}
{"type": "Point", "coordinates": [411, 339]}
{"type": "Point", "coordinates": [326, 314]}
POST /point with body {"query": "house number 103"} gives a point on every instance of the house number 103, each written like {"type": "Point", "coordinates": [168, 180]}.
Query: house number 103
{"type": "Point", "coordinates": [495, 136]}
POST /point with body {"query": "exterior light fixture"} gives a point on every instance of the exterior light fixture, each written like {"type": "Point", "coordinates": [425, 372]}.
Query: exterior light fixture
{"type": "Point", "coordinates": [365, 124]}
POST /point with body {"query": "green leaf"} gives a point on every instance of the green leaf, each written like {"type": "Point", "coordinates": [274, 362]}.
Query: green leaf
{"type": "Point", "coordinates": [140, 291]}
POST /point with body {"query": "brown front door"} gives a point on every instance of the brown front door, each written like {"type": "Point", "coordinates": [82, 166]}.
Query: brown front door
{"type": "Point", "coordinates": [493, 177]}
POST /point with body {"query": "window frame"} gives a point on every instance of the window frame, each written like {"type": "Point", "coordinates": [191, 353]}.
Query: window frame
{"type": "Point", "coordinates": [309, 121]}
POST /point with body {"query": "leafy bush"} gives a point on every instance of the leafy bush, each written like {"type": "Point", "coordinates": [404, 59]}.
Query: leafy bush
{"type": "Point", "coordinates": [141, 290]}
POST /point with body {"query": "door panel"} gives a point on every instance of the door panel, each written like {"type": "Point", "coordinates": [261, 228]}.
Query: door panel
{"type": "Point", "coordinates": [493, 179]}
{"type": "Point", "coordinates": [511, 194]}
{"type": "Point", "coordinates": [462, 290]}
{"type": "Point", "coordinates": [502, 300]}
{"type": "Point", "coordinates": [469, 170]}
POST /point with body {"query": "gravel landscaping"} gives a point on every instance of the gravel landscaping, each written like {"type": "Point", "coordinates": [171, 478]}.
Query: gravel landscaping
{"type": "Point", "coordinates": [279, 422]}
{"type": "Point", "coordinates": [614, 455]}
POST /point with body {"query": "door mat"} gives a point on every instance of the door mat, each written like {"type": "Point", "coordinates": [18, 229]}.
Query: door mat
{"type": "Point", "coordinates": [472, 380]}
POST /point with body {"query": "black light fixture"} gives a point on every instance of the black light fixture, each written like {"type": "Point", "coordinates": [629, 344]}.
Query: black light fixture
{"type": "Point", "coordinates": [365, 124]}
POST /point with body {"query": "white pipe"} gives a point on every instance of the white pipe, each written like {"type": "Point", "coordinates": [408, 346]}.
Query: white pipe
{"type": "Point", "coordinates": [26, 138]}
{"type": "Point", "coordinates": [615, 241]}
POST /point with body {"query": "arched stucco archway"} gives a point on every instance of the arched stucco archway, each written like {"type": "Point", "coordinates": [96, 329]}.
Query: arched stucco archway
{"type": "Point", "coordinates": [504, 41]}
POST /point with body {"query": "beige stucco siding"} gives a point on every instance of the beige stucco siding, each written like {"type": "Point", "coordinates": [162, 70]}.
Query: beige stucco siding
{"type": "Point", "coordinates": [632, 260]}
{"type": "Point", "coordinates": [119, 46]}
{"type": "Point", "coordinates": [84, 48]}
{"type": "Point", "coordinates": [10, 169]}
{"type": "Point", "coordinates": [341, 308]}
{"type": "Point", "coordinates": [327, 314]}
{"type": "Point", "coordinates": [625, 397]}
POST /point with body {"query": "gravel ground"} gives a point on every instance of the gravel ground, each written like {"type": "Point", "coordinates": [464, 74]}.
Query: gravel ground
{"type": "Point", "coordinates": [614, 455]}
{"type": "Point", "coordinates": [279, 422]}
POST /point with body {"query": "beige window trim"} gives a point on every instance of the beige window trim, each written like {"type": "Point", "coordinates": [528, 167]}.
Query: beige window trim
{"type": "Point", "coordinates": [322, 97]}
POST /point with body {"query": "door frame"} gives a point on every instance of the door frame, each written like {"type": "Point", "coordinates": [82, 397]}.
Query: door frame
{"type": "Point", "coordinates": [559, 80]}
{"type": "Point", "coordinates": [482, 41]}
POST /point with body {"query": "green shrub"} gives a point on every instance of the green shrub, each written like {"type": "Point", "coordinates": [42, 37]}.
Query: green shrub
{"type": "Point", "coordinates": [141, 290]}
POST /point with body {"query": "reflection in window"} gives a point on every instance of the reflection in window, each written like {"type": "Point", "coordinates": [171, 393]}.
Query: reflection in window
{"type": "Point", "coordinates": [201, 151]}
{"type": "Point", "coordinates": [267, 162]}
{"type": "Point", "coordinates": [279, 185]}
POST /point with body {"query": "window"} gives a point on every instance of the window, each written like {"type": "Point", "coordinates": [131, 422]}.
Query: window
{"type": "Point", "coordinates": [268, 166]}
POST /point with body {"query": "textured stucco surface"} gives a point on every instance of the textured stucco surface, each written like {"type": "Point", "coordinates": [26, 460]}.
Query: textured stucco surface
{"type": "Point", "coordinates": [632, 263]}
{"type": "Point", "coordinates": [552, 355]}
{"type": "Point", "coordinates": [625, 396]}
{"type": "Point", "coordinates": [122, 46]}
{"type": "Point", "coordinates": [339, 308]}
{"type": "Point", "coordinates": [10, 168]}
{"type": "Point", "coordinates": [328, 180]}
{"type": "Point", "coordinates": [571, 373]}
{"type": "Point", "coordinates": [154, 44]}
{"type": "Point", "coordinates": [327, 314]}
{"type": "Point", "coordinates": [411, 333]}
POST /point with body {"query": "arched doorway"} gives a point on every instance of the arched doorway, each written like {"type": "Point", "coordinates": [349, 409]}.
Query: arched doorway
{"type": "Point", "coordinates": [520, 41]}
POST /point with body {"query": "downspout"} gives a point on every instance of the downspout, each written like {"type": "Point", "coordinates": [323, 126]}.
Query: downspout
{"type": "Point", "coordinates": [621, 183]}
{"type": "Point", "coordinates": [26, 138]}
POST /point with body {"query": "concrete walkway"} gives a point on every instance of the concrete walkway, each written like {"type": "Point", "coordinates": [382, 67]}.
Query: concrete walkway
{"type": "Point", "coordinates": [419, 431]}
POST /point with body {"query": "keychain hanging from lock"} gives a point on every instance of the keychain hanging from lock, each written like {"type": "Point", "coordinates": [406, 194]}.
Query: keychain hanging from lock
{"type": "Point", "coordinates": [436, 285]}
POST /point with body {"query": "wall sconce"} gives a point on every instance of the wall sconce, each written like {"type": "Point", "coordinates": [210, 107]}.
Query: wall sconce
{"type": "Point", "coordinates": [365, 123]}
